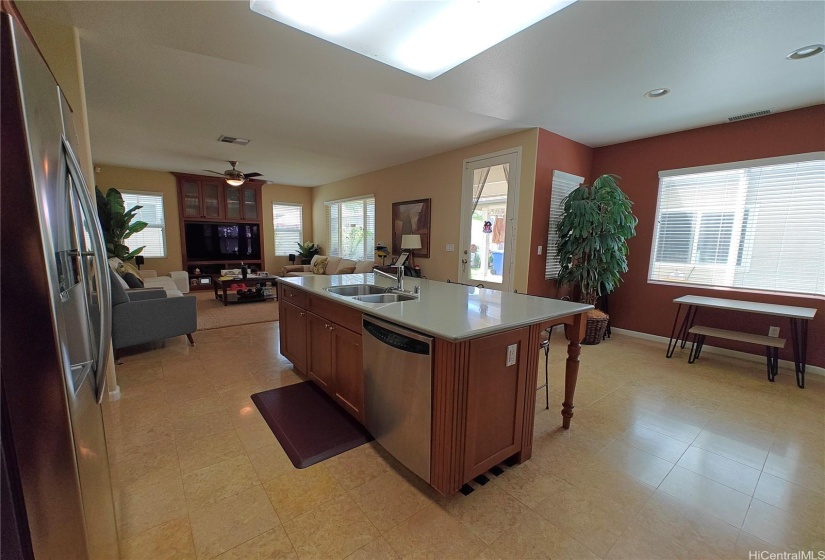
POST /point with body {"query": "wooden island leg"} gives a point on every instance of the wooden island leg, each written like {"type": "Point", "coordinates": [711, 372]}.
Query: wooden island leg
{"type": "Point", "coordinates": [575, 334]}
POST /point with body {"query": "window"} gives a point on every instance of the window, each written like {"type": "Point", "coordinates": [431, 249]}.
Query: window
{"type": "Point", "coordinates": [287, 220]}
{"type": "Point", "coordinates": [351, 228]}
{"type": "Point", "coordinates": [563, 184]}
{"type": "Point", "coordinates": [154, 235]}
{"type": "Point", "coordinates": [756, 225]}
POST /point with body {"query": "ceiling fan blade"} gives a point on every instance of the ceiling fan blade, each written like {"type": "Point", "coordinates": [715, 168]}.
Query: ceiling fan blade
{"type": "Point", "coordinates": [251, 175]}
{"type": "Point", "coordinates": [221, 173]}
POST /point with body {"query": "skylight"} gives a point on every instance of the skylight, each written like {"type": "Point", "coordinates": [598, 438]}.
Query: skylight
{"type": "Point", "coordinates": [424, 38]}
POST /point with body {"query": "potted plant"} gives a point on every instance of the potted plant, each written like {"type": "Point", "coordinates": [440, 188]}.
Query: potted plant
{"type": "Point", "coordinates": [593, 231]}
{"type": "Point", "coordinates": [307, 250]}
{"type": "Point", "coordinates": [117, 224]}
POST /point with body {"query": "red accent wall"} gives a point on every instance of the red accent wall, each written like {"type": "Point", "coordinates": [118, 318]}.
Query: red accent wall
{"type": "Point", "coordinates": [648, 308]}
{"type": "Point", "coordinates": [554, 152]}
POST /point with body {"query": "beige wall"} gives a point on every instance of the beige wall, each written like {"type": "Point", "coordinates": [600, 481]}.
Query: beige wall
{"type": "Point", "coordinates": [129, 179]}
{"type": "Point", "coordinates": [437, 177]}
{"type": "Point", "coordinates": [60, 46]}
{"type": "Point", "coordinates": [270, 194]}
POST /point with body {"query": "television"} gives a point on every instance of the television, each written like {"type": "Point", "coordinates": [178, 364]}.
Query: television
{"type": "Point", "coordinates": [222, 242]}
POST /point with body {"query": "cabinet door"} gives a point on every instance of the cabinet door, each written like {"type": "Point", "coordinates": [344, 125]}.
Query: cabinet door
{"type": "Point", "coordinates": [495, 400]}
{"type": "Point", "coordinates": [211, 198]}
{"type": "Point", "coordinates": [294, 328]}
{"type": "Point", "coordinates": [319, 357]}
{"type": "Point", "coordinates": [347, 363]}
{"type": "Point", "coordinates": [250, 203]}
{"type": "Point", "coordinates": [232, 198]}
{"type": "Point", "coordinates": [191, 199]}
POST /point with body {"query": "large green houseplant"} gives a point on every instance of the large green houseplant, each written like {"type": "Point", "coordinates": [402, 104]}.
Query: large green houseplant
{"type": "Point", "coordinates": [593, 231]}
{"type": "Point", "coordinates": [117, 224]}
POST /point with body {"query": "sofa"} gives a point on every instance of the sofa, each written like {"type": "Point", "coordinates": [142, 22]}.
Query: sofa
{"type": "Point", "coordinates": [175, 284]}
{"type": "Point", "coordinates": [147, 315]}
{"type": "Point", "coordinates": [328, 265]}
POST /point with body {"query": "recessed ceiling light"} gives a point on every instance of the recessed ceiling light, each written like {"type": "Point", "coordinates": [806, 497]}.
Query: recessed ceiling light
{"type": "Point", "coordinates": [805, 52]}
{"type": "Point", "coordinates": [660, 92]}
{"type": "Point", "coordinates": [422, 38]}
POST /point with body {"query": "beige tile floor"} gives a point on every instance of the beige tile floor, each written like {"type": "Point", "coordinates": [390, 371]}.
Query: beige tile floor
{"type": "Point", "coordinates": [664, 460]}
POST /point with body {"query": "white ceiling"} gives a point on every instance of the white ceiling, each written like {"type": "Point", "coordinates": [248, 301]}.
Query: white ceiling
{"type": "Point", "coordinates": [165, 79]}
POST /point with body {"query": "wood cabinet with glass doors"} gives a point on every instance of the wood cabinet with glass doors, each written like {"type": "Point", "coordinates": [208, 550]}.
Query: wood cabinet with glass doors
{"type": "Point", "coordinates": [212, 199]}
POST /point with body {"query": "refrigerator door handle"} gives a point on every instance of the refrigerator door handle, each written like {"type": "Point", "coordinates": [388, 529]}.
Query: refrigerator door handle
{"type": "Point", "coordinates": [101, 267]}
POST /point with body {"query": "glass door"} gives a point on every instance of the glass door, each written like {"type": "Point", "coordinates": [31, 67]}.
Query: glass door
{"type": "Point", "coordinates": [488, 225]}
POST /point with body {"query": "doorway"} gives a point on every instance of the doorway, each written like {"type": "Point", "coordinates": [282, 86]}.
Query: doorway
{"type": "Point", "coordinates": [488, 219]}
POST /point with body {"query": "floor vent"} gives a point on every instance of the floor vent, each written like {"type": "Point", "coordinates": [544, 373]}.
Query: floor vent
{"type": "Point", "coordinates": [233, 140]}
{"type": "Point", "coordinates": [753, 115]}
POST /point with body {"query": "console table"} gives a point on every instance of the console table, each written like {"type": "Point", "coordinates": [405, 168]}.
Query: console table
{"type": "Point", "coordinates": [799, 317]}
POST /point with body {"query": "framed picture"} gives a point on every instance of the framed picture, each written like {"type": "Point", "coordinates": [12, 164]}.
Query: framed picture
{"type": "Point", "coordinates": [408, 218]}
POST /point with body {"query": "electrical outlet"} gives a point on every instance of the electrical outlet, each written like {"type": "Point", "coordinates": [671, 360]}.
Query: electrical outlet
{"type": "Point", "coordinates": [511, 354]}
{"type": "Point", "coordinates": [773, 331]}
{"type": "Point", "coordinates": [450, 248]}
{"type": "Point", "coordinates": [538, 251]}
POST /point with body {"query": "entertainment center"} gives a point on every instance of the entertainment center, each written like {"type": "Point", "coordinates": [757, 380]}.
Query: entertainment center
{"type": "Point", "coordinates": [220, 226]}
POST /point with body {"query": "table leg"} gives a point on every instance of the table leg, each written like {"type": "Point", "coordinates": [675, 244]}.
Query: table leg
{"type": "Point", "coordinates": [575, 334]}
{"type": "Point", "coordinates": [225, 299]}
{"type": "Point", "coordinates": [682, 335]}
{"type": "Point", "coordinates": [215, 287]}
{"type": "Point", "coordinates": [799, 339]}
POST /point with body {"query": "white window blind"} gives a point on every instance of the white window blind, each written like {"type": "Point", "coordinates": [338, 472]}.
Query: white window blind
{"type": "Point", "coordinates": [563, 184]}
{"type": "Point", "coordinates": [756, 225]}
{"type": "Point", "coordinates": [154, 235]}
{"type": "Point", "coordinates": [287, 220]}
{"type": "Point", "coordinates": [351, 228]}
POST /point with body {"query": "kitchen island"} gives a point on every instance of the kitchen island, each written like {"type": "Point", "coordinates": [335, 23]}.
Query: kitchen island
{"type": "Point", "coordinates": [485, 360]}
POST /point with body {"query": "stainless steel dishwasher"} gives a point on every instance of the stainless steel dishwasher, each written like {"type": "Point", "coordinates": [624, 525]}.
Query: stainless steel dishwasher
{"type": "Point", "coordinates": [398, 392]}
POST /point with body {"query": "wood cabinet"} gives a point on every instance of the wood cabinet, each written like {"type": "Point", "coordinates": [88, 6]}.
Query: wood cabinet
{"type": "Point", "coordinates": [320, 360]}
{"type": "Point", "coordinates": [495, 400]}
{"type": "Point", "coordinates": [293, 327]}
{"type": "Point", "coordinates": [201, 199]}
{"type": "Point", "coordinates": [241, 203]}
{"type": "Point", "coordinates": [331, 356]}
{"type": "Point", "coordinates": [212, 199]}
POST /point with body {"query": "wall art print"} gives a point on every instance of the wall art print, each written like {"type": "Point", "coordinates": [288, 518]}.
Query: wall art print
{"type": "Point", "coordinates": [411, 217]}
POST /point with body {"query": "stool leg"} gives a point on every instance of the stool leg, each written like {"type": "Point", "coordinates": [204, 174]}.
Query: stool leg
{"type": "Point", "coordinates": [546, 378]}
{"type": "Point", "coordinates": [769, 354]}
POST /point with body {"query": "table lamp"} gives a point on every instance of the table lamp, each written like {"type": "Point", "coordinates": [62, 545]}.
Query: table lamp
{"type": "Point", "coordinates": [411, 242]}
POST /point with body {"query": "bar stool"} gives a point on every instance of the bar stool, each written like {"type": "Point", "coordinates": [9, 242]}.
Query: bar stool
{"type": "Point", "coordinates": [545, 345]}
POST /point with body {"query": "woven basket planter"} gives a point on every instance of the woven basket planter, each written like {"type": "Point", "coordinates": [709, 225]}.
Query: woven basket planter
{"type": "Point", "coordinates": [595, 329]}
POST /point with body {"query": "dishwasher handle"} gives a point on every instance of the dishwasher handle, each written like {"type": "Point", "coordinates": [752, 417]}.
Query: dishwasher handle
{"type": "Point", "coordinates": [396, 339]}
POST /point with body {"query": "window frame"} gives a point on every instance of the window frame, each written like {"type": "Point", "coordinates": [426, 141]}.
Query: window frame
{"type": "Point", "coordinates": [161, 227]}
{"type": "Point", "coordinates": [743, 231]}
{"type": "Point", "coordinates": [552, 266]}
{"type": "Point", "coordinates": [275, 229]}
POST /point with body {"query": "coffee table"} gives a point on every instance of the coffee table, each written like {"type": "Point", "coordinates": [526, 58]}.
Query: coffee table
{"type": "Point", "coordinates": [221, 287]}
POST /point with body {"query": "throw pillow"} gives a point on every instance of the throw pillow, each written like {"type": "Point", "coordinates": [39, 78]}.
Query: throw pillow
{"type": "Point", "coordinates": [363, 267]}
{"type": "Point", "coordinates": [129, 267]}
{"type": "Point", "coordinates": [133, 281]}
{"type": "Point", "coordinates": [346, 270]}
{"type": "Point", "coordinates": [319, 266]}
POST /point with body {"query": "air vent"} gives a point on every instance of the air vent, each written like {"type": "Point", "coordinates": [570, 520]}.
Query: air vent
{"type": "Point", "coordinates": [233, 140]}
{"type": "Point", "coordinates": [753, 115]}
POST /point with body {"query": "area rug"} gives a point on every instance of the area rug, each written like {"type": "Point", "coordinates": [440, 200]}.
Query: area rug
{"type": "Point", "coordinates": [310, 426]}
{"type": "Point", "coordinates": [213, 314]}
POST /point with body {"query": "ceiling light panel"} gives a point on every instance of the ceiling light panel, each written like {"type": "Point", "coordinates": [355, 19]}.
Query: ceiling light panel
{"type": "Point", "coordinates": [423, 38]}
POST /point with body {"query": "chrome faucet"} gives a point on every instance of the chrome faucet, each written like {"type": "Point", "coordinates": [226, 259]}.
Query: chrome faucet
{"type": "Point", "coordinates": [398, 276]}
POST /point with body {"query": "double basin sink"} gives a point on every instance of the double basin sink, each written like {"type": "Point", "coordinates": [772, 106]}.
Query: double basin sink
{"type": "Point", "coordinates": [370, 293]}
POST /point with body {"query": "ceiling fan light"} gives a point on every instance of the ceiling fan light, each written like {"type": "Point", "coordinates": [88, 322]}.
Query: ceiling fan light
{"type": "Point", "coordinates": [235, 182]}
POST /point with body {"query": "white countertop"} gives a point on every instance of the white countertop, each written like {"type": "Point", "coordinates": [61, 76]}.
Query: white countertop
{"type": "Point", "coordinates": [449, 311]}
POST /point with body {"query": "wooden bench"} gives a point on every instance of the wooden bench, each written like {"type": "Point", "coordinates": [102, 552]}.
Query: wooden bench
{"type": "Point", "coordinates": [772, 344]}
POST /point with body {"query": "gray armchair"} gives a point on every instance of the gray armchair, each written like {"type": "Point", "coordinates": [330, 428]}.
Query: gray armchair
{"type": "Point", "coordinates": [146, 315]}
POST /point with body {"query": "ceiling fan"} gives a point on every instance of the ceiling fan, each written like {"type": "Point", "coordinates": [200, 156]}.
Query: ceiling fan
{"type": "Point", "coordinates": [233, 176]}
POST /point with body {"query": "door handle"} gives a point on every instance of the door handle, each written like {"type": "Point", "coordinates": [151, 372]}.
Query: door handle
{"type": "Point", "coordinates": [101, 266]}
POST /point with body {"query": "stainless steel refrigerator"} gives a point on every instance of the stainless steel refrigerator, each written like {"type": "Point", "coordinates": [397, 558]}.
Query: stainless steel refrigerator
{"type": "Point", "coordinates": [57, 499]}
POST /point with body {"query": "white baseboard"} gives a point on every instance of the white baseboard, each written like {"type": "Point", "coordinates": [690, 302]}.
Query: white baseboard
{"type": "Point", "coordinates": [784, 364]}
{"type": "Point", "coordinates": [114, 395]}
